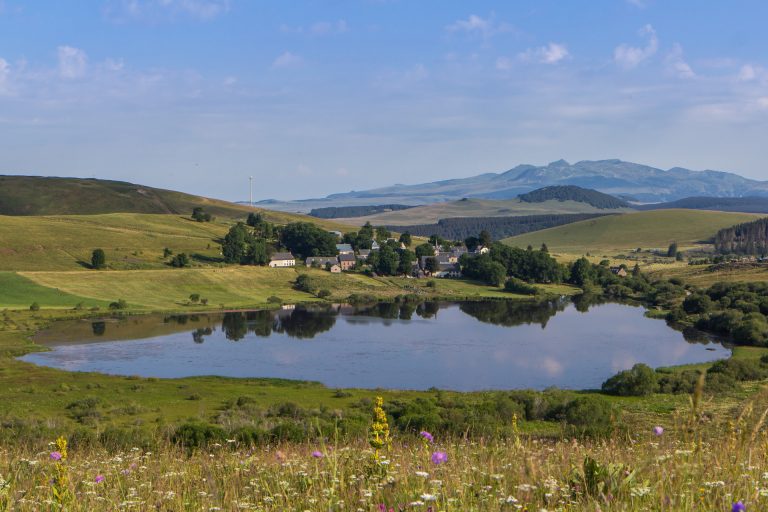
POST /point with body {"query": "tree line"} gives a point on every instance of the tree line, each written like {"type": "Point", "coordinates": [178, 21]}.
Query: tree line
{"type": "Point", "coordinates": [749, 238]}
{"type": "Point", "coordinates": [338, 212]}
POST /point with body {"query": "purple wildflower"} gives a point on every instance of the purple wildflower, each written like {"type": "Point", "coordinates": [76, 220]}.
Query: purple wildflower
{"type": "Point", "coordinates": [56, 455]}
{"type": "Point", "coordinates": [426, 435]}
{"type": "Point", "coordinates": [738, 507]}
{"type": "Point", "coordinates": [657, 430]}
{"type": "Point", "coordinates": [99, 479]}
{"type": "Point", "coordinates": [439, 457]}
{"type": "Point", "coordinates": [317, 454]}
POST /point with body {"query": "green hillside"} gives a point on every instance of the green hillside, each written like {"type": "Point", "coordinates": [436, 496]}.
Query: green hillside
{"type": "Point", "coordinates": [432, 213]}
{"type": "Point", "coordinates": [37, 195]}
{"type": "Point", "coordinates": [653, 229]}
{"type": "Point", "coordinates": [130, 240]}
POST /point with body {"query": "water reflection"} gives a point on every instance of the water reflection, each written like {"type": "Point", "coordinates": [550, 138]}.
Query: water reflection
{"type": "Point", "coordinates": [463, 346]}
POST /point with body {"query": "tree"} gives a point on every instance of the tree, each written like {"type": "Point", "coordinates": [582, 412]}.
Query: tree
{"type": "Point", "coordinates": [388, 261]}
{"type": "Point", "coordinates": [382, 234]}
{"type": "Point", "coordinates": [582, 272]}
{"type": "Point", "coordinates": [98, 259]}
{"type": "Point", "coordinates": [304, 239]}
{"type": "Point", "coordinates": [254, 219]}
{"type": "Point", "coordinates": [697, 304]}
{"type": "Point", "coordinates": [431, 264]}
{"type": "Point", "coordinates": [485, 238]}
{"type": "Point", "coordinates": [236, 243]}
{"type": "Point", "coordinates": [471, 242]}
{"type": "Point", "coordinates": [641, 380]}
{"type": "Point", "coordinates": [405, 239]}
{"type": "Point", "coordinates": [544, 248]}
{"type": "Point", "coordinates": [424, 250]}
{"type": "Point", "coordinates": [672, 251]}
{"type": "Point", "coordinates": [200, 215]}
{"type": "Point", "coordinates": [305, 283]}
{"type": "Point", "coordinates": [406, 261]}
{"type": "Point", "coordinates": [180, 260]}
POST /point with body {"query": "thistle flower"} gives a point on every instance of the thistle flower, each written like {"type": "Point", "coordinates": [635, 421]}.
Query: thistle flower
{"type": "Point", "coordinates": [738, 507]}
{"type": "Point", "coordinates": [439, 457]}
{"type": "Point", "coordinates": [99, 479]}
{"type": "Point", "coordinates": [657, 430]}
{"type": "Point", "coordinates": [56, 455]}
{"type": "Point", "coordinates": [317, 454]}
{"type": "Point", "coordinates": [426, 435]}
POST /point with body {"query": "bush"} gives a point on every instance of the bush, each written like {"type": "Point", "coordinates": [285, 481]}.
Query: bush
{"type": "Point", "coordinates": [324, 293]}
{"type": "Point", "coordinates": [34, 306]}
{"type": "Point", "coordinates": [641, 380]}
{"type": "Point", "coordinates": [196, 435]}
{"type": "Point", "coordinates": [697, 304]}
{"type": "Point", "coordinates": [195, 297]}
{"type": "Point", "coordinates": [120, 304]}
{"type": "Point", "coordinates": [274, 299]}
{"type": "Point", "coordinates": [181, 260]}
{"type": "Point", "coordinates": [305, 283]}
{"type": "Point", "coordinates": [588, 416]}
{"type": "Point", "coordinates": [514, 285]}
{"type": "Point", "coordinates": [98, 259]}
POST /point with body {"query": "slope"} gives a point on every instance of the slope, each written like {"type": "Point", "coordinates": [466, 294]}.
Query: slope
{"type": "Point", "coordinates": [653, 229]}
{"type": "Point", "coordinates": [37, 195]}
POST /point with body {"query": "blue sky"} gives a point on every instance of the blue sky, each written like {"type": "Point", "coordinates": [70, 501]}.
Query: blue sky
{"type": "Point", "coordinates": [316, 97]}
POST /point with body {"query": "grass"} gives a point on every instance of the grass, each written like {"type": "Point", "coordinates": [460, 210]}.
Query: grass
{"type": "Point", "coordinates": [430, 214]}
{"type": "Point", "coordinates": [652, 229]}
{"type": "Point", "coordinates": [704, 460]}
{"type": "Point", "coordinates": [130, 240]}
{"type": "Point", "coordinates": [20, 292]}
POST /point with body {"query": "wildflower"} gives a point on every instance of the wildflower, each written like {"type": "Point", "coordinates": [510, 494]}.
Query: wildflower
{"type": "Point", "coordinates": [56, 455]}
{"type": "Point", "coordinates": [738, 507]}
{"type": "Point", "coordinates": [422, 474]}
{"type": "Point", "coordinates": [99, 479]}
{"type": "Point", "coordinates": [428, 497]}
{"type": "Point", "coordinates": [317, 454]}
{"type": "Point", "coordinates": [657, 430]}
{"type": "Point", "coordinates": [426, 435]}
{"type": "Point", "coordinates": [439, 457]}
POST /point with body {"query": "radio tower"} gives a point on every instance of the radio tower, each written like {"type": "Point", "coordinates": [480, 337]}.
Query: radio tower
{"type": "Point", "coordinates": [250, 191]}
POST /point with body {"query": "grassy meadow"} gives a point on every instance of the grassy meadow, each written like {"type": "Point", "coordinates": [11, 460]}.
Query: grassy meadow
{"type": "Point", "coordinates": [651, 229]}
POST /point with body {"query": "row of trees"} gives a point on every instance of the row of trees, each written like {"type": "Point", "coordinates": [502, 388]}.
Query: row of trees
{"type": "Point", "coordinates": [748, 238]}
{"type": "Point", "coordinates": [503, 261]}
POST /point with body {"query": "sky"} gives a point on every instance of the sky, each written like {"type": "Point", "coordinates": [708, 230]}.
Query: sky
{"type": "Point", "coordinates": [316, 97]}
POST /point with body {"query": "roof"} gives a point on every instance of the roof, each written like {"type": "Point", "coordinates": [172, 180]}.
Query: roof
{"type": "Point", "coordinates": [321, 259]}
{"type": "Point", "coordinates": [364, 252]}
{"type": "Point", "coordinates": [343, 247]}
{"type": "Point", "coordinates": [282, 256]}
{"type": "Point", "coordinates": [347, 257]}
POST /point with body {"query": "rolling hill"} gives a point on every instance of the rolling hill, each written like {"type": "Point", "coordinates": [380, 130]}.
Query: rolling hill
{"type": "Point", "coordinates": [431, 214]}
{"type": "Point", "coordinates": [652, 229]}
{"type": "Point", "coordinates": [574, 193]}
{"type": "Point", "coordinates": [37, 195]}
{"type": "Point", "coordinates": [642, 182]}
{"type": "Point", "coordinates": [749, 204]}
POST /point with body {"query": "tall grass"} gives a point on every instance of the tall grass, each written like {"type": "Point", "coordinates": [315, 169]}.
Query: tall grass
{"type": "Point", "coordinates": [699, 462]}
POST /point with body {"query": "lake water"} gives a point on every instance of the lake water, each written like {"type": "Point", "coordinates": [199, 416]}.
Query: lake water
{"type": "Point", "coordinates": [460, 346]}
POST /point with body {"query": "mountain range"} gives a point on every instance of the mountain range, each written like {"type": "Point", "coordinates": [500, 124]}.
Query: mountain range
{"type": "Point", "coordinates": [630, 181]}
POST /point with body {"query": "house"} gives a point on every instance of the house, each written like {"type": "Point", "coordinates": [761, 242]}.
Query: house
{"type": "Point", "coordinates": [321, 261]}
{"type": "Point", "coordinates": [619, 271]}
{"type": "Point", "coordinates": [363, 254]}
{"type": "Point", "coordinates": [441, 258]}
{"type": "Point", "coordinates": [282, 259]}
{"type": "Point", "coordinates": [345, 249]}
{"type": "Point", "coordinates": [335, 268]}
{"type": "Point", "coordinates": [482, 250]}
{"type": "Point", "coordinates": [347, 261]}
{"type": "Point", "coordinates": [375, 245]}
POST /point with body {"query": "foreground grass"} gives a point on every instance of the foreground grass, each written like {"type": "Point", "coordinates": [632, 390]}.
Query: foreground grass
{"type": "Point", "coordinates": [698, 463]}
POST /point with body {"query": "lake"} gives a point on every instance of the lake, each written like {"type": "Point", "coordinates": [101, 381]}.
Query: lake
{"type": "Point", "coordinates": [460, 346]}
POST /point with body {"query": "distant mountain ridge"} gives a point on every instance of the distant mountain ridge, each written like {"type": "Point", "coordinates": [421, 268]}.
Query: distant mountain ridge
{"type": "Point", "coordinates": [748, 204]}
{"type": "Point", "coordinates": [615, 177]}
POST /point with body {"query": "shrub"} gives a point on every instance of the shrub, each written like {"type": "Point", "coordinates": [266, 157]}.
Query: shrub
{"type": "Point", "coordinates": [196, 435]}
{"type": "Point", "coordinates": [181, 260]}
{"type": "Point", "coordinates": [697, 304]}
{"type": "Point", "coordinates": [274, 299]}
{"type": "Point", "coordinates": [324, 293]}
{"type": "Point", "coordinates": [195, 297]}
{"type": "Point", "coordinates": [120, 304]}
{"type": "Point", "coordinates": [588, 416]}
{"type": "Point", "coordinates": [514, 285]}
{"type": "Point", "coordinates": [34, 307]}
{"type": "Point", "coordinates": [641, 380]}
{"type": "Point", "coordinates": [98, 259]}
{"type": "Point", "coordinates": [305, 283]}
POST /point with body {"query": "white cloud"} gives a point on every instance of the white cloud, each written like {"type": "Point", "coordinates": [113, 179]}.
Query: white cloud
{"type": "Point", "coordinates": [474, 24]}
{"type": "Point", "coordinates": [552, 53]}
{"type": "Point", "coordinates": [629, 57]}
{"type": "Point", "coordinates": [763, 102]}
{"type": "Point", "coordinates": [677, 65]}
{"type": "Point", "coordinates": [72, 62]}
{"type": "Point", "coordinates": [287, 60]}
{"type": "Point", "coordinates": [154, 10]}
{"type": "Point", "coordinates": [322, 28]}
{"type": "Point", "coordinates": [747, 73]}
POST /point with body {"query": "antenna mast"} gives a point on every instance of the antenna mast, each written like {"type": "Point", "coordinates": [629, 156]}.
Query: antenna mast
{"type": "Point", "coordinates": [250, 190]}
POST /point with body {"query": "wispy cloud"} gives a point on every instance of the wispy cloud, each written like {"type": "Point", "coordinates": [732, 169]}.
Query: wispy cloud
{"type": "Point", "coordinates": [287, 60]}
{"type": "Point", "coordinates": [159, 10]}
{"type": "Point", "coordinates": [552, 53]}
{"type": "Point", "coordinates": [629, 57]}
{"type": "Point", "coordinates": [676, 64]}
{"type": "Point", "coordinates": [72, 62]}
{"type": "Point", "coordinates": [5, 73]}
{"type": "Point", "coordinates": [474, 24]}
{"type": "Point", "coordinates": [640, 4]}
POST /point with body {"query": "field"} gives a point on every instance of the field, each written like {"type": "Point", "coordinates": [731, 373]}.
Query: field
{"type": "Point", "coordinates": [430, 214]}
{"type": "Point", "coordinates": [130, 240]}
{"type": "Point", "coordinates": [652, 229]}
